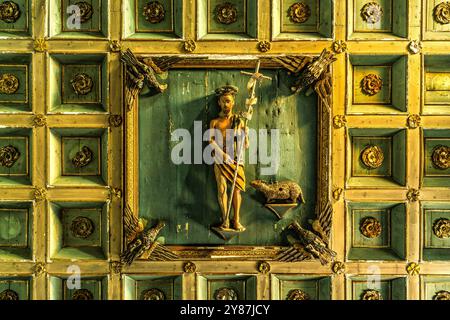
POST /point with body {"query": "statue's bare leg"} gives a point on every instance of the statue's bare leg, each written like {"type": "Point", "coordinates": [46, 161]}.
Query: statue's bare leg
{"type": "Point", "coordinates": [237, 200]}
{"type": "Point", "coordinates": [222, 197]}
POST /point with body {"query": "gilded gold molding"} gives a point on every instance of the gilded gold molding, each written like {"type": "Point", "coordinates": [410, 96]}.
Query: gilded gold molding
{"type": "Point", "coordinates": [413, 269]}
{"type": "Point", "coordinates": [339, 46]}
{"type": "Point", "coordinates": [189, 267]}
{"type": "Point", "coordinates": [264, 46]}
{"type": "Point", "coordinates": [413, 121]}
{"type": "Point", "coordinates": [338, 267]}
{"type": "Point", "coordinates": [263, 267]}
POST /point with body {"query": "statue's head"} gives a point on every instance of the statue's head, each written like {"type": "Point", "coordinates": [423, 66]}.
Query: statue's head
{"type": "Point", "coordinates": [225, 98]}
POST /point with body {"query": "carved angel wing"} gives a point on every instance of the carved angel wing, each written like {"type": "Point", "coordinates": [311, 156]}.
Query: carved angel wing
{"type": "Point", "coordinates": [162, 64]}
{"type": "Point", "coordinates": [323, 87]}
{"type": "Point", "coordinates": [131, 223]}
{"type": "Point", "coordinates": [294, 253]}
{"type": "Point", "coordinates": [323, 223]}
{"type": "Point", "coordinates": [293, 63]}
{"type": "Point", "coordinates": [161, 253]}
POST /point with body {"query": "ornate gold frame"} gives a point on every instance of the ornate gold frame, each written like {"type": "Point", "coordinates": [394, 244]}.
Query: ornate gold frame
{"type": "Point", "coordinates": [131, 192]}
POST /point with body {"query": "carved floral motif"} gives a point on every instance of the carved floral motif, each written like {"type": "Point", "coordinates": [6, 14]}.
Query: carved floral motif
{"type": "Point", "coordinates": [153, 294]}
{"type": "Point", "coordinates": [371, 84]}
{"type": "Point", "coordinates": [264, 46]}
{"type": "Point", "coordinates": [8, 156]}
{"type": "Point", "coordinates": [371, 294]}
{"type": "Point", "coordinates": [299, 12]}
{"type": "Point", "coordinates": [414, 46]}
{"type": "Point", "coordinates": [441, 228]}
{"type": "Point", "coordinates": [413, 269]}
{"type": "Point", "coordinates": [413, 195]}
{"type": "Point", "coordinates": [338, 267]}
{"type": "Point", "coordinates": [189, 45]}
{"type": "Point", "coordinates": [264, 267]}
{"type": "Point", "coordinates": [339, 46]}
{"type": "Point", "coordinates": [9, 294]}
{"type": "Point", "coordinates": [225, 294]}
{"type": "Point", "coordinates": [154, 12]}
{"type": "Point", "coordinates": [372, 157]}
{"type": "Point", "coordinates": [82, 227]}
{"type": "Point", "coordinates": [440, 157]}
{"type": "Point", "coordinates": [413, 121]}
{"type": "Point", "coordinates": [339, 121]}
{"type": "Point", "coordinates": [82, 294]}
{"type": "Point", "coordinates": [297, 294]}
{"type": "Point", "coordinates": [226, 13]}
{"type": "Point", "coordinates": [82, 84]}
{"type": "Point", "coordinates": [371, 12]}
{"type": "Point", "coordinates": [442, 295]}
{"type": "Point", "coordinates": [189, 267]}
{"type": "Point", "coordinates": [9, 12]}
{"type": "Point", "coordinates": [86, 11]}
{"type": "Point", "coordinates": [83, 157]}
{"type": "Point", "coordinates": [9, 83]}
{"type": "Point", "coordinates": [370, 227]}
{"type": "Point", "coordinates": [441, 13]}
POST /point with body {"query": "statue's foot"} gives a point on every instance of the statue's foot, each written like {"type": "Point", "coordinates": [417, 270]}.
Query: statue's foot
{"type": "Point", "coordinates": [238, 227]}
{"type": "Point", "coordinates": [224, 226]}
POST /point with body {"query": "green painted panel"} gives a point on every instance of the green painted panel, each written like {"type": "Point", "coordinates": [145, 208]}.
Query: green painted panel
{"type": "Point", "coordinates": [21, 286]}
{"type": "Point", "coordinates": [317, 288]}
{"type": "Point", "coordinates": [185, 195]}
{"type": "Point", "coordinates": [381, 241]}
{"type": "Point", "coordinates": [21, 27]}
{"type": "Point", "coordinates": [143, 25]}
{"type": "Point", "coordinates": [390, 287]}
{"type": "Point", "coordinates": [20, 166]}
{"type": "Point", "coordinates": [240, 26]}
{"type": "Point", "coordinates": [14, 227]}
{"type": "Point", "coordinates": [383, 25]}
{"type": "Point", "coordinates": [69, 74]}
{"type": "Point", "coordinates": [243, 286]}
{"type": "Point", "coordinates": [310, 25]}
{"type": "Point", "coordinates": [431, 24]}
{"type": "Point", "coordinates": [71, 240]}
{"type": "Point", "coordinates": [433, 285]}
{"type": "Point", "coordinates": [436, 90]}
{"type": "Point", "coordinates": [383, 96]}
{"type": "Point", "coordinates": [71, 146]}
{"type": "Point", "coordinates": [431, 240]}
{"type": "Point", "coordinates": [359, 288]}
{"type": "Point", "coordinates": [170, 286]}
{"type": "Point", "coordinates": [93, 285]}
{"type": "Point", "coordinates": [93, 24]}
{"type": "Point", "coordinates": [359, 144]}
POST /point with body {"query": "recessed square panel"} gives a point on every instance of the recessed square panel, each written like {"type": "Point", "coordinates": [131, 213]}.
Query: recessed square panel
{"type": "Point", "coordinates": [81, 84]}
{"type": "Point", "coordinates": [16, 18]}
{"type": "Point", "coordinates": [81, 156]}
{"type": "Point", "coordinates": [154, 16]}
{"type": "Point", "coordinates": [436, 22]}
{"type": "Point", "coordinates": [376, 287]}
{"type": "Point", "coordinates": [436, 77]}
{"type": "Point", "coordinates": [371, 156]}
{"type": "Point", "coordinates": [435, 287]}
{"type": "Point", "coordinates": [436, 157]}
{"type": "Point", "coordinates": [296, 287]}
{"type": "Point", "coordinates": [153, 287]}
{"type": "Point", "coordinates": [81, 16]}
{"type": "Point", "coordinates": [14, 156]}
{"type": "Point", "coordinates": [82, 227]}
{"type": "Point", "coordinates": [371, 228]}
{"type": "Point", "coordinates": [372, 85]}
{"type": "Point", "coordinates": [88, 288]}
{"type": "Point", "coordinates": [437, 222]}
{"type": "Point", "coordinates": [13, 84]}
{"type": "Point", "coordinates": [14, 227]}
{"type": "Point", "coordinates": [15, 288]}
{"type": "Point", "coordinates": [227, 16]}
{"type": "Point", "coordinates": [300, 16]}
{"type": "Point", "coordinates": [225, 287]}
{"type": "Point", "coordinates": [373, 16]}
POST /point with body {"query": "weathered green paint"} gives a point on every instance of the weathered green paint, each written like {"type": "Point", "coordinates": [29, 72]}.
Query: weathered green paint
{"type": "Point", "coordinates": [390, 288]}
{"type": "Point", "coordinates": [63, 245]}
{"type": "Point", "coordinates": [436, 101]}
{"type": "Point", "coordinates": [20, 172]}
{"type": "Point", "coordinates": [135, 286]}
{"type": "Point", "coordinates": [434, 248]}
{"type": "Point", "coordinates": [59, 290]}
{"type": "Point", "coordinates": [317, 288]}
{"type": "Point", "coordinates": [71, 147]}
{"type": "Point", "coordinates": [63, 98]}
{"type": "Point", "coordinates": [359, 169]}
{"type": "Point", "coordinates": [433, 284]}
{"type": "Point", "coordinates": [244, 286]}
{"type": "Point", "coordinates": [20, 66]}
{"type": "Point", "coordinates": [390, 245]}
{"type": "Point", "coordinates": [20, 285]}
{"type": "Point", "coordinates": [185, 195]}
{"type": "Point", "coordinates": [21, 27]}
{"type": "Point", "coordinates": [434, 177]}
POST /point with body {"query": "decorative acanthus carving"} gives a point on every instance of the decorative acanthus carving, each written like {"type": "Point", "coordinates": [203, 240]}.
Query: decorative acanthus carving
{"type": "Point", "coordinates": [370, 227]}
{"type": "Point", "coordinates": [440, 157]}
{"type": "Point", "coordinates": [8, 156]}
{"type": "Point", "coordinates": [297, 294]}
{"type": "Point", "coordinates": [83, 157]}
{"type": "Point", "coordinates": [189, 45]}
{"type": "Point", "coordinates": [371, 294]}
{"type": "Point", "coordinates": [442, 295]}
{"type": "Point", "coordinates": [115, 46]}
{"type": "Point", "coordinates": [82, 84]}
{"type": "Point", "coordinates": [225, 294]}
{"type": "Point", "coordinates": [441, 13]}
{"type": "Point", "coordinates": [9, 294]}
{"type": "Point", "coordinates": [372, 157]}
{"type": "Point", "coordinates": [371, 12]}
{"type": "Point", "coordinates": [82, 227]}
{"type": "Point", "coordinates": [441, 228]}
{"type": "Point", "coordinates": [153, 294]}
{"type": "Point", "coordinates": [9, 83]}
{"type": "Point", "coordinates": [40, 268]}
{"type": "Point", "coordinates": [371, 84]}
{"type": "Point", "coordinates": [86, 11]}
{"type": "Point", "coordinates": [140, 73]}
{"type": "Point", "coordinates": [82, 294]}
{"type": "Point", "coordinates": [154, 12]}
{"type": "Point", "coordinates": [9, 12]}
{"type": "Point", "coordinates": [299, 12]}
{"type": "Point", "coordinates": [337, 192]}
{"type": "Point", "coordinates": [226, 13]}
{"type": "Point", "coordinates": [141, 242]}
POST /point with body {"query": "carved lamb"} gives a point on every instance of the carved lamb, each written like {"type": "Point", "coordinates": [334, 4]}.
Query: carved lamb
{"type": "Point", "coordinates": [283, 190]}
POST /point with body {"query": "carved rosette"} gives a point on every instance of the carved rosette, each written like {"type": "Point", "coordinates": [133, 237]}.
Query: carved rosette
{"type": "Point", "coordinates": [154, 12]}
{"type": "Point", "coordinates": [82, 227]}
{"type": "Point", "coordinates": [264, 46]}
{"type": "Point", "coordinates": [441, 13]}
{"type": "Point", "coordinates": [115, 193]}
{"type": "Point", "coordinates": [414, 46]}
{"type": "Point", "coordinates": [82, 84]}
{"type": "Point", "coordinates": [299, 12]}
{"type": "Point", "coordinates": [189, 267]}
{"type": "Point", "coordinates": [371, 84]}
{"type": "Point", "coordinates": [8, 156]}
{"type": "Point", "coordinates": [39, 120]}
{"type": "Point", "coordinates": [441, 228]}
{"type": "Point", "coordinates": [413, 195]}
{"type": "Point", "coordinates": [153, 294]}
{"type": "Point", "coordinates": [371, 294]}
{"type": "Point", "coordinates": [339, 121]}
{"type": "Point", "coordinates": [189, 45]}
{"type": "Point", "coordinates": [264, 267]}
{"type": "Point", "coordinates": [413, 121]}
{"type": "Point", "coordinates": [9, 12]}
{"type": "Point", "coordinates": [40, 268]}
{"type": "Point", "coordinates": [40, 45]}
{"type": "Point", "coordinates": [297, 294]}
{"type": "Point", "coordinates": [115, 120]}
{"type": "Point", "coordinates": [371, 12]}
{"type": "Point", "coordinates": [337, 193]}
{"type": "Point", "coordinates": [9, 294]}
{"type": "Point", "coordinates": [83, 157]}
{"type": "Point", "coordinates": [225, 294]}
{"type": "Point", "coordinates": [116, 267]}
{"type": "Point", "coordinates": [440, 157]}
{"type": "Point", "coordinates": [40, 194]}
{"type": "Point", "coordinates": [115, 46]}
{"type": "Point", "coordinates": [86, 11]}
{"type": "Point", "coordinates": [370, 227]}
{"type": "Point", "coordinates": [442, 295]}
{"type": "Point", "coordinates": [338, 267]}
{"type": "Point", "coordinates": [372, 157]}
{"type": "Point", "coordinates": [339, 46]}
{"type": "Point", "coordinates": [226, 13]}
{"type": "Point", "coordinates": [9, 83]}
{"type": "Point", "coordinates": [413, 269]}
{"type": "Point", "coordinates": [82, 294]}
